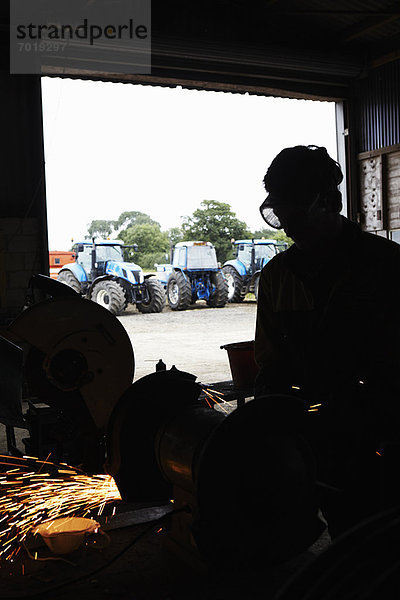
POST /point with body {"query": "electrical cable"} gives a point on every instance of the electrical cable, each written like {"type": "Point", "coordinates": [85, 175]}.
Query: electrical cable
{"type": "Point", "coordinates": [42, 593]}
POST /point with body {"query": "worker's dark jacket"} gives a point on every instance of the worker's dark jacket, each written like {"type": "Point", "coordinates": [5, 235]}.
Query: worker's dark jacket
{"type": "Point", "coordinates": [328, 322]}
{"type": "Point", "coordinates": [330, 325]}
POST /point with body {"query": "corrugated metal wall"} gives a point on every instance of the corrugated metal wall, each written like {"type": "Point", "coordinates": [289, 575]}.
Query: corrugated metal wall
{"type": "Point", "coordinates": [379, 110]}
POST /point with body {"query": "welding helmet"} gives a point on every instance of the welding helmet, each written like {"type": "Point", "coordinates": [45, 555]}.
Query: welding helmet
{"type": "Point", "coordinates": [298, 179]}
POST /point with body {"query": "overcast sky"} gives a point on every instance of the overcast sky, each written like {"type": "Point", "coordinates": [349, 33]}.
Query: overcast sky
{"type": "Point", "coordinates": [112, 147]}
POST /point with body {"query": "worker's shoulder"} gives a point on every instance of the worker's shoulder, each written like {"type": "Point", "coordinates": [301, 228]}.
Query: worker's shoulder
{"type": "Point", "coordinates": [277, 262]}
{"type": "Point", "coordinates": [378, 246]}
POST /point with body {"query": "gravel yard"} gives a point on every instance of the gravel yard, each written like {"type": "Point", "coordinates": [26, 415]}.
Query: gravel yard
{"type": "Point", "coordinates": [190, 339]}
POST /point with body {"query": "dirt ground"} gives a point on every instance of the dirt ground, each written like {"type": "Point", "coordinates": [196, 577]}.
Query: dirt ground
{"type": "Point", "coordinates": [190, 339]}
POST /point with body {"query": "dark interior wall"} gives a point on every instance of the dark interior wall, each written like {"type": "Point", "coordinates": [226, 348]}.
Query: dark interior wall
{"type": "Point", "coordinates": [23, 222]}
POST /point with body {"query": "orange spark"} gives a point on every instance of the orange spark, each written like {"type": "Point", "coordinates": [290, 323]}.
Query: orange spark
{"type": "Point", "coordinates": [30, 497]}
{"type": "Point", "coordinates": [214, 396]}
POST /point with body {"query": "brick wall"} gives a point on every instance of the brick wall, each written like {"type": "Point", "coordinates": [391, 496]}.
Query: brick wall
{"type": "Point", "coordinates": [20, 258]}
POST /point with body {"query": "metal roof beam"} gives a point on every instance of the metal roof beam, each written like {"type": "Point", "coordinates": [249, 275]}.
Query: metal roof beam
{"type": "Point", "coordinates": [373, 22]}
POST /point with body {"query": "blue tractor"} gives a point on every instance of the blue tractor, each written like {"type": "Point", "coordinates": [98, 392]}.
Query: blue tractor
{"type": "Point", "coordinates": [193, 275]}
{"type": "Point", "coordinates": [101, 274]}
{"type": "Point", "coordinates": [243, 273]}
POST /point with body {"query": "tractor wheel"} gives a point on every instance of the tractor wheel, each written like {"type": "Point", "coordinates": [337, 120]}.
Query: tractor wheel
{"type": "Point", "coordinates": [156, 297]}
{"type": "Point", "coordinates": [220, 296]}
{"type": "Point", "coordinates": [179, 291]}
{"type": "Point", "coordinates": [69, 279]}
{"type": "Point", "coordinates": [235, 284]}
{"type": "Point", "coordinates": [110, 295]}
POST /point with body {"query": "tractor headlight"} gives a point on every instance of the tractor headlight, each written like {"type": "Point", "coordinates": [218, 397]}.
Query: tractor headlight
{"type": "Point", "coordinates": [130, 276]}
{"type": "Point", "coordinates": [136, 276]}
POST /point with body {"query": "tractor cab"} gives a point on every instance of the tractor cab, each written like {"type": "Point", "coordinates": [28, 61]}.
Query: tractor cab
{"type": "Point", "coordinates": [96, 257]}
{"type": "Point", "coordinates": [254, 254]}
{"type": "Point", "coordinates": [243, 272]}
{"type": "Point", "coordinates": [194, 256]}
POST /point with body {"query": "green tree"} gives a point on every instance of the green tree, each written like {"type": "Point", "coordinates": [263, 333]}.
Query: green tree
{"type": "Point", "coordinates": [148, 261]}
{"type": "Point", "coordinates": [149, 238]}
{"type": "Point", "coordinates": [215, 222]}
{"type": "Point", "coordinates": [273, 234]}
{"type": "Point", "coordinates": [100, 229]}
{"type": "Point", "coordinates": [133, 217]}
{"type": "Point", "coordinates": [175, 235]}
{"type": "Point", "coordinates": [104, 229]}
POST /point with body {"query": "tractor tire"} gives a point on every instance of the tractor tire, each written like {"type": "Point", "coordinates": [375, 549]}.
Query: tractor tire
{"type": "Point", "coordinates": [179, 291]}
{"type": "Point", "coordinates": [110, 295]}
{"type": "Point", "coordinates": [220, 296]}
{"type": "Point", "coordinates": [235, 284]}
{"type": "Point", "coordinates": [156, 297]}
{"type": "Point", "coordinates": [69, 279]}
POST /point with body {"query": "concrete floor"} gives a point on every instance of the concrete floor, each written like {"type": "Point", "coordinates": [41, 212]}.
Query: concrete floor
{"type": "Point", "coordinates": [149, 570]}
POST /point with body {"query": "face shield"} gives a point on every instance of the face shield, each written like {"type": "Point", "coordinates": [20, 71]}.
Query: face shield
{"type": "Point", "coordinates": [267, 213]}
{"type": "Point", "coordinates": [272, 211]}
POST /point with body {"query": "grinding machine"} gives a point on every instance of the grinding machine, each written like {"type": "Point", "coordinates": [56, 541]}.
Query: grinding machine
{"type": "Point", "coordinates": [77, 361]}
{"type": "Point", "coordinates": [245, 482]}
{"type": "Point", "coordinates": [242, 484]}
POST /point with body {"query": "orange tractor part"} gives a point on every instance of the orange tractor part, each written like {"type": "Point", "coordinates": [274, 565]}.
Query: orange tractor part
{"type": "Point", "coordinates": [59, 258]}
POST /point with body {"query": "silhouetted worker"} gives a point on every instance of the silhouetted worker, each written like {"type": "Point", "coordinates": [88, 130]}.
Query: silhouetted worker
{"type": "Point", "coordinates": [328, 330]}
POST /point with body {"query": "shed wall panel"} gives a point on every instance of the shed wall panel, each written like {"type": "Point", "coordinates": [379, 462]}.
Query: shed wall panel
{"type": "Point", "coordinates": [378, 107]}
{"type": "Point", "coordinates": [393, 190]}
